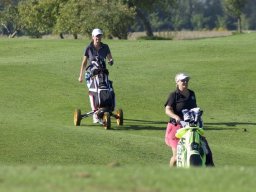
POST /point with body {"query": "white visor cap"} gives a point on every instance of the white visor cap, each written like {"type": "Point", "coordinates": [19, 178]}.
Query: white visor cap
{"type": "Point", "coordinates": [181, 76]}
{"type": "Point", "coordinates": [96, 32]}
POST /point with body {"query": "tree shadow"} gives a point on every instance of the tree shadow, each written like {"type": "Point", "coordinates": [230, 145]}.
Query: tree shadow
{"type": "Point", "coordinates": [141, 124]}
{"type": "Point", "coordinates": [232, 124]}
{"type": "Point", "coordinates": [229, 125]}
{"type": "Point", "coordinates": [154, 125]}
{"type": "Point", "coordinates": [140, 127]}
{"type": "Point", "coordinates": [145, 121]}
{"type": "Point", "coordinates": [134, 124]}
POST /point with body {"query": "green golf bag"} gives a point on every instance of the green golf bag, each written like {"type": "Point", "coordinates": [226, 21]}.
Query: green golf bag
{"type": "Point", "coordinates": [191, 150]}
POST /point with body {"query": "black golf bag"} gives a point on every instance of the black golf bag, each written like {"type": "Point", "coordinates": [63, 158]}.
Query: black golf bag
{"type": "Point", "coordinates": [100, 87]}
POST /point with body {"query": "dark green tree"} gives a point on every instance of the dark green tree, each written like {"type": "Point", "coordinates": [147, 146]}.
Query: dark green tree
{"type": "Point", "coordinates": [235, 9]}
{"type": "Point", "coordinates": [144, 7]}
{"type": "Point", "coordinates": [197, 15]}
{"type": "Point", "coordinates": [9, 17]}
{"type": "Point", "coordinates": [250, 14]}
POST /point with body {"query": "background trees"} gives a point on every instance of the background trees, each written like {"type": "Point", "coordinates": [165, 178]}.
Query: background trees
{"type": "Point", "coordinates": [250, 15]}
{"type": "Point", "coordinates": [119, 17]}
{"type": "Point", "coordinates": [235, 9]}
{"type": "Point", "coordinates": [81, 16]}
{"type": "Point", "coordinates": [144, 7]}
{"type": "Point", "coordinates": [38, 17]}
{"type": "Point", "coordinates": [9, 17]}
{"type": "Point", "coordinates": [75, 17]}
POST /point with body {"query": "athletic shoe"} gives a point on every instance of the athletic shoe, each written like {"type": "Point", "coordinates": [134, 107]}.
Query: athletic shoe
{"type": "Point", "coordinates": [95, 118]}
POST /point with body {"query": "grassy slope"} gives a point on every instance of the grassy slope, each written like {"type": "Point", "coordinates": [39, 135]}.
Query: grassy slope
{"type": "Point", "coordinates": [40, 146]}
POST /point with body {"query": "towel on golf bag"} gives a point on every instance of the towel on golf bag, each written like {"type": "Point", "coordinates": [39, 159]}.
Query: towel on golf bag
{"type": "Point", "coordinates": [193, 117]}
{"type": "Point", "coordinates": [100, 87]}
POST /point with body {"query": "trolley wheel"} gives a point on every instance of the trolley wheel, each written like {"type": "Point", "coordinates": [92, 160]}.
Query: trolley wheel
{"type": "Point", "coordinates": [77, 117]}
{"type": "Point", "coordinates": [120, 117]}
{"type": "Point", "coordinates": [106, 120]}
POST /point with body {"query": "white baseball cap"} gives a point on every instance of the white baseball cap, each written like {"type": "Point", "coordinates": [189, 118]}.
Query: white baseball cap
{"type": "Point", "coordinates": [181, 76]}
{"type": "Point", "coordinates": [96, 32]}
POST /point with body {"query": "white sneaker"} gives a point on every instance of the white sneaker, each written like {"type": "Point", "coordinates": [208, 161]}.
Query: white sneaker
{"type": "Point", "coordinates": [95, 118]}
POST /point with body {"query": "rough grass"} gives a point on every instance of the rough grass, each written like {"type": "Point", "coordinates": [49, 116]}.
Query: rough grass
{"type": "Point", "coordinates": [181, 35]}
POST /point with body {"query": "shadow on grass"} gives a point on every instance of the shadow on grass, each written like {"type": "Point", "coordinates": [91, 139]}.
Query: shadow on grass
{"type": "Point", "coordinates": [140, 124]}
{"type": "Point", "coordinates": [148, 125]}
{"type": "Point", "coordinates": [228, 125]}
{"type": "Point", "coordinates": [140, 127]}
{"type": "Point", "coordinates": [145, 121]}
{"type": "Point", "coordinates": [133, 124]}
{"type": "Point", "coordinates": [231, 124]}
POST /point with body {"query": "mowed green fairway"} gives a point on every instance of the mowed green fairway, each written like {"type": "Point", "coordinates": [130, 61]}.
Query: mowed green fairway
{"type": "Point", "coordinates": [41, 149]}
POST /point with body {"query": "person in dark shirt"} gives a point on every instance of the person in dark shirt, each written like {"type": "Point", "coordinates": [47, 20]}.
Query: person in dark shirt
{"type": "Point", "coordinates": [95, 49]}
{"type": "Point", "coordinates": [178, 100]}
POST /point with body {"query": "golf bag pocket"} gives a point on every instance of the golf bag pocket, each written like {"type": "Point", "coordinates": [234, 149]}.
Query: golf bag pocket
{"type": "Point", "coordinates": [106, 99]}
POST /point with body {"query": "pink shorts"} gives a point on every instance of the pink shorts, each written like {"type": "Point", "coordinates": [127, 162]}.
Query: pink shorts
{"type": "Point", "coordinates": [170, 138]}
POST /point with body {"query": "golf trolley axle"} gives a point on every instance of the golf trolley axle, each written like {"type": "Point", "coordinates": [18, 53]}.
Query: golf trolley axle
{"type": "Point", "coordinates": [87, 114]}
{"type": "Point", "coordinates": [104, 115]}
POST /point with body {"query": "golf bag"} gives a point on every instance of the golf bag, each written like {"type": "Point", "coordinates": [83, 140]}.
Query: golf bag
{"type": "Point", "coordinates": [191, 149]}
{"type": "Point", "coordinates": [101, 91]}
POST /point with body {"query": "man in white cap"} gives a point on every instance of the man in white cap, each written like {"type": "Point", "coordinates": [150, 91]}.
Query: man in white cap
{"type": "Point", "coordinates": [95, 49]}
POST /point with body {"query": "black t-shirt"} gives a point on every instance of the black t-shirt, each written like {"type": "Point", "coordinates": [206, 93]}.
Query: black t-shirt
{"type": "Point", "coordinates": [179, 102]}
{"type": "Point", "coordinates": [91, 52]}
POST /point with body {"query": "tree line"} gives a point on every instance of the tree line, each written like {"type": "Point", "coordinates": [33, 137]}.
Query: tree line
{"type": "Point", "coordinates": [120, 17]}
